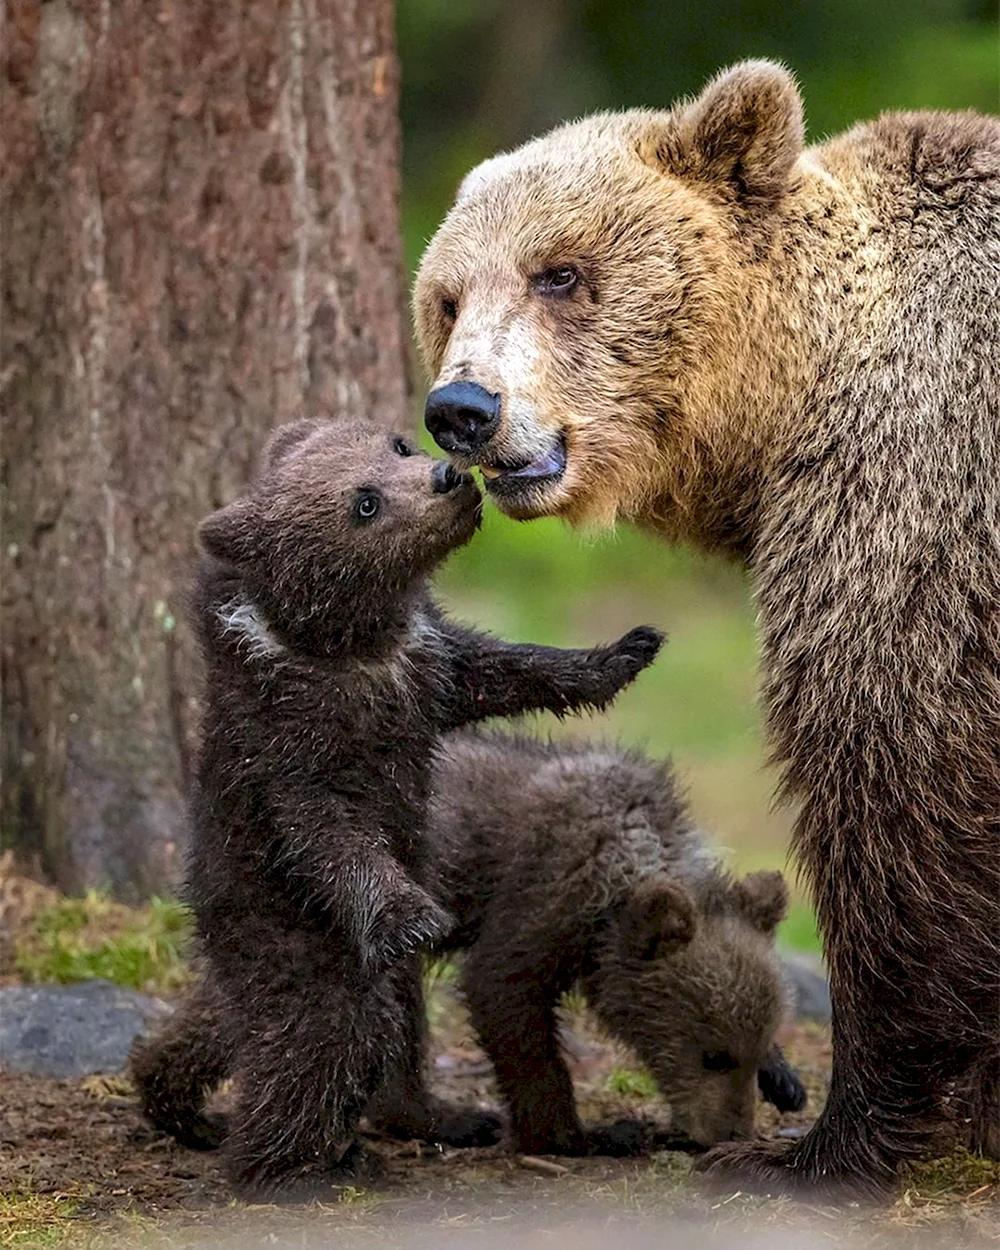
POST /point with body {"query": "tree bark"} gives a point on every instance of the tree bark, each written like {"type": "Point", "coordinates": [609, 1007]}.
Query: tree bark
{"type": "Point", "coordinates": [200, 240]}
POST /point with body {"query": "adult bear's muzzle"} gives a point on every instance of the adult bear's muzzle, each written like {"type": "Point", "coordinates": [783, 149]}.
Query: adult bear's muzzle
{"type": "Point", "coordinates": [462, 417]}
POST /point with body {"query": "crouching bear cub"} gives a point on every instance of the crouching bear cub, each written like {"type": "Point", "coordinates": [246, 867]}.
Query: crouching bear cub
{"type": "Point", "coordinates": [573, 865]}
{"type": "Point", "coordinates": [329, 676]}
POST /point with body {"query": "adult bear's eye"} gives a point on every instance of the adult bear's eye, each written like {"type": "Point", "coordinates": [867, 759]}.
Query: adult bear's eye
{"type": "Point", "coordinates": [718, 1061]}
{"type": "Point", "coordinates": [401, 447]}
{"type": "Point", "coordinates": [366, 506]}
{"type": "Point", "coordinates": [559, 281]}
{"type": "Point", "coordinates": [450, 308]}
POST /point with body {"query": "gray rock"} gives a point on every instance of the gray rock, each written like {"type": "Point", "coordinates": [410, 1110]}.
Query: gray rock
{"type": "Point", "coordinates": [72, 1030]}
{"type": "Point", "coordinates": [806, 978]}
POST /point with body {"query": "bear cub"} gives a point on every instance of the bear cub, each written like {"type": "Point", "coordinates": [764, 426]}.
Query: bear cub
{"type": "Point", "coordinates": [577, 864]}
{"type": "Point", "coordinates": [330, 675]}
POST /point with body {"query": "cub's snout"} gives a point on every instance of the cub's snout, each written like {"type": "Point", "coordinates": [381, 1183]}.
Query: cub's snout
{"type": "Point", "coordinates": [445, 478]}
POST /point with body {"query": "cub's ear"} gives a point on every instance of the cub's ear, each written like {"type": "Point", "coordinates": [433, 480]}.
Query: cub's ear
{"type": "Point", "coordinates": [658, 917]}
{"type": "Point", "coordinates": [743, 133]}
{"type": "Point", "coordinates": [285, 437]}
{"type": "Point", "coordinates": [763, 899]}
{"type": "Point", "coordinates": [230, 534]}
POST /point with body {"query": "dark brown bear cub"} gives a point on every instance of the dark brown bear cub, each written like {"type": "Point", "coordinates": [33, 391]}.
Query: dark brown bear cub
{"type": "Point", "coordinates": [329, 677]}
{"type": "Point", "coordinates": [577, 864]}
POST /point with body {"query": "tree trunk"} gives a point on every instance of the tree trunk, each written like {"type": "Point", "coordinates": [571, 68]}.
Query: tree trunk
{"type": "Point", "coordinates": [200, 240]}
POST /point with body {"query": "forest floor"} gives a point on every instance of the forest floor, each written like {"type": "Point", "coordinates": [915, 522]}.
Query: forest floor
{"type": "Point", "coordinates": [79, 1168]}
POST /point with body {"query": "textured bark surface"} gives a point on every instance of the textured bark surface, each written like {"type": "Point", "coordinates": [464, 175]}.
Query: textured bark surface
{"type": "Point", "coordinates": [200, 240]}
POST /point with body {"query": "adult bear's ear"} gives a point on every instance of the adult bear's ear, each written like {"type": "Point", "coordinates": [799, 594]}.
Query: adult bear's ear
{"type": "Point", "coordinates": [763, 899]}
{"type": "Point", "coordinates": [742, 134]}
{"type": "Point", "coordinates": [658, 916]}
{"type": "Point", "coordinates": [231, 533]}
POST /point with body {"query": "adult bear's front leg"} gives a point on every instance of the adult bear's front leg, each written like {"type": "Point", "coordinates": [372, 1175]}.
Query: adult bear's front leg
{"type": "Point", "coordinates": [890, 1071]}
{"type": "Point", "coordinates": [843, 1156]}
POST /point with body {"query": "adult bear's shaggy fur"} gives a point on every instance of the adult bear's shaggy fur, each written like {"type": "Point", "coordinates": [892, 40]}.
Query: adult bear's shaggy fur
{"type": "Point", "coordinates": [790, 356]}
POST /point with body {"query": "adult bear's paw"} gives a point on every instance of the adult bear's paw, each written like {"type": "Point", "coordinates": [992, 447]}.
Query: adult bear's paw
{"type": "Point", "coordinates": [779, 1169]}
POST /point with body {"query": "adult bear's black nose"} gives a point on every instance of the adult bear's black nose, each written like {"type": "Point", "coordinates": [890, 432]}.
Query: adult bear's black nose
{"type": "Point", "coordinates": [462, 416]}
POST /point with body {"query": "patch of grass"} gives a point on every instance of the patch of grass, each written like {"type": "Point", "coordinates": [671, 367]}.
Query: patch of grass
{"type": "Point", "coordinates": [80, 939]}
{"type": "Point", "coordinates": [28, 1219]}
{"type": "Point", "coordinates": [631, 1083]}
{"type": "Point", "coordinates": [798, 931]}
{"type": "Point", "coordinates": [958, 1176]}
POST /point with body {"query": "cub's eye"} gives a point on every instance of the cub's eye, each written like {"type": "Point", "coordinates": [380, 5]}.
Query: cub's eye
{"type": "Point", "coordinates": [450, 308]}
{"type": "Point", "coordinates": [558, 282]}
{"type": "Point", "coordinates": [401, 447]}
{"type": "Point", "coordinates": [718, 1061]}
{"type": "Point", "coordinates": [366, 506]}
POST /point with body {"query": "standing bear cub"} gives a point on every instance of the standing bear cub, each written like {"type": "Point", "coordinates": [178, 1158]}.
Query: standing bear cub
{"type": "Point", "coordinates": [790, 356]}
{"type": "Point", "coordinates": [329, 677]}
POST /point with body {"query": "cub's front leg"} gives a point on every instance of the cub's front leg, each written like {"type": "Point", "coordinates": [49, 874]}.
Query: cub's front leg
{"type": "Point", "coordinates": [495, 678]}
{"type": "Point", "coordinates": [384, 914]}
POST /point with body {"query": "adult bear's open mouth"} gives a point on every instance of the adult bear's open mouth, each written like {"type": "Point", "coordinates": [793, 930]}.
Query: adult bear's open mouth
{"type": "Point", "coordinates": [516, 484]}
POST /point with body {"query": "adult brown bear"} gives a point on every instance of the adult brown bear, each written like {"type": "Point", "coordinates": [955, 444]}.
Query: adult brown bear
{"type": "Point", "coordinates": [791, 356]}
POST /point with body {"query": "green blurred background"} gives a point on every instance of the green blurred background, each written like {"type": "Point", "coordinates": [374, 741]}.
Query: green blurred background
{"type": "Point", "coordinates": [482, 75]}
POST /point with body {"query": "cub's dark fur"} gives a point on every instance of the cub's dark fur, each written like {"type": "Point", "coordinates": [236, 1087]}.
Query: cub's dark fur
{"type": "Point", "coordinates": [562, 864]}
{"type": "Point", "coordinates": [329, 677]}
{"type": "Point", "coordinates": [577, 864]}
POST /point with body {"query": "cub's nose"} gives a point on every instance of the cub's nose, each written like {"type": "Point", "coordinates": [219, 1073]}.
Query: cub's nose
{"type": "Point", "coordinates": [444, 477]}
{"type": "Point", "coordinates": [462, 416]}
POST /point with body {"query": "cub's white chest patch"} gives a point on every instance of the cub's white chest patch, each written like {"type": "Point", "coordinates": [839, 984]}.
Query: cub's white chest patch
{"type": "Point", "coordinates": [253, 635]}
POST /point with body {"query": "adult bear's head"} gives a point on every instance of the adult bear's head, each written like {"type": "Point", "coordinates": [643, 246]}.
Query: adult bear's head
{"type": "Point", "coordinates": [586, 293]}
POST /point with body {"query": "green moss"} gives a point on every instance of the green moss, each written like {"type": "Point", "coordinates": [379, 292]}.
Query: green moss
{"type": "Point", "coordinates": [79, 939]}
{"type": "Point", "coordinates": [28, 1219]}
{"type": "Point", "coordinates": [957, 1175]}
{"type": "Point", "coordinates": [630, 1083]}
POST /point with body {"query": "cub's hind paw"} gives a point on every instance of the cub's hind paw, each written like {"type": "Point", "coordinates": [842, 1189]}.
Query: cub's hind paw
{"type": "Point", "coordinates": [298, 1183]}
{"type": "Point", "coordinates": [207, 1132]}
{"type": "Point", "coordinates": [622, 1139]}
{"type": "Point", "coordinates": [467, 1129]}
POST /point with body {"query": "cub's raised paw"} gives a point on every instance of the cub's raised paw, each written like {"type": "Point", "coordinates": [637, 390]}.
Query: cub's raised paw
{"type": "Point", "coordinates": [404, 919]}
{"type": "Point", "coordinates": [634, 651]}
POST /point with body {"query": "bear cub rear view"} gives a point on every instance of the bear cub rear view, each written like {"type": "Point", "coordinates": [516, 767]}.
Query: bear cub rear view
{"type": "Point", "coordinates": [329, 677]}
{"type": "Point", "coordinates": [577, 864]}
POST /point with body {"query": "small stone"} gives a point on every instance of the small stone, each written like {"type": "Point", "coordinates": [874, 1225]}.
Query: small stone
{"type": "Point", "coordinates": [72, 1030]}
{"type": "Point", "coordinates": [810, 989]}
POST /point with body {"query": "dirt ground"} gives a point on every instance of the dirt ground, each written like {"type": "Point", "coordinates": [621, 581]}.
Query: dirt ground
{"type": "Point", "coordinates": [79, 1167]}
